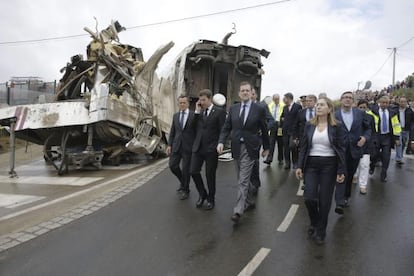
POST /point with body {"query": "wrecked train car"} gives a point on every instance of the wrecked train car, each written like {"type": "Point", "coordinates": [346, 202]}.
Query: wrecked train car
{"type": "Point", "coordinates": [113, 102]}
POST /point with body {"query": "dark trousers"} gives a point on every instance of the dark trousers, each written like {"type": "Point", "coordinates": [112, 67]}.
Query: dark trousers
{"type": "Point", "coordinates": [320, 178]}
{"type": "Point", "coordinates": [343, 190]}
{"type": "Point", "coordinates": [255, 177]}
{"type": "Point", "coordinates": [290, 147]}
{"type": "Point", "coordinates": [183, 173]}
{"type": "Point", "coordinates": [382, 152]}
{"type": "Point", "coordinates": [211, 160]}
{"type": "Point", "coordinates": [273, 139]}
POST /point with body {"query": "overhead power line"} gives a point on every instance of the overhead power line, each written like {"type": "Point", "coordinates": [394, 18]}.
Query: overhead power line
{"type": "Point", "coordinates": [146, 25]}
{"type": "Point", "coordinates": [404, 56]}
{"type": "Point", "coordinates": [382, 66]}
{"type": "Point", "coordinates": [405, 43]}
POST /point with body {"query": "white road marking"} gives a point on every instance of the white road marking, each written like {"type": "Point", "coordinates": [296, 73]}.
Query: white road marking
{"type": "Point", "coordinates": [50, 180]}
{"type": "Point", "coordinates": [138, 171]}
{"type": "Point", "coordinates": [288, 219]}
{"type": "Point", "coordinates": [255, 262]}
{"type": "Point", "coordinates": [13, 200]}
{"type": "Point", "coordinates": [300, 191]}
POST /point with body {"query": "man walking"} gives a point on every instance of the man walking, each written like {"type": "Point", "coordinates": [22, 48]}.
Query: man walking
{"type": "Point", "coordinates": [209, 120]}
{"type": "Point", "coordinates": [288, 120]}
{"type": "Point", "coordinates": [357, 128]}
{"type": "Point", "coordinates": [389, 131]}
{"type": "Point", "coordinates": [275, 108]}
{"type": "Point", "coordinates": [246, 122]}
{"type": "Point", "coordinates": [180, 144]}
{"type": "Point", "coordinates": [405, 116]}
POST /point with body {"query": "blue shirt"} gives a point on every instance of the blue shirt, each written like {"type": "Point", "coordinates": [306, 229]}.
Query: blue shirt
{"type": "Point", "coordinates": [246, 112]}
{"type": "Point", "coordinates": [348, 118]}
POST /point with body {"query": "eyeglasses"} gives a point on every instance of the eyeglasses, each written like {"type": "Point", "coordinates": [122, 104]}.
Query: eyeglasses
{"type": "Point", "coordinates": [348, 97]}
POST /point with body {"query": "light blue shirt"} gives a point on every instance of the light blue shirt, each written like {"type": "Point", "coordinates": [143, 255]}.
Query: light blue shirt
{"type": "Point", "coordinates": [186, 112]}
{"type": "Point", "coordinates": [308, 113]}
{"type": "Point", "coordinates": [246, 112]}
{"type": "Point", "coordinates": [348, 118]}
{"type": "Point", "coordinates": [387, 118]}
{"type": "Point", "coordinates": [402, 118]}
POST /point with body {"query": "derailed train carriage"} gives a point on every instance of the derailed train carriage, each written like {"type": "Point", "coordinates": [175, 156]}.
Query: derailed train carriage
{"type": "Point", "coordinates": [114, 103]}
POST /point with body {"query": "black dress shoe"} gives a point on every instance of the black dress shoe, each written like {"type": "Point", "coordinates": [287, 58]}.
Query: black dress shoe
{"type": "Point", "coordinates": [339, 210]}
{"type": "Point", "coordinates": [311, 232]}
{"type": "Point", "coordinates": [183, 195]}
{"type": "Point", "coordinates": [319, 240]}
{"type": "Point", "coordinates": [209, 205]}
{"type": "Point", "coordinates": [235, 217]}
{"type": "Point", "coordinates": [200, 202]}
{"type": "Point", "coordinates": [346, 203]}
{"type": "Point", "coordinates": [250, 207]}
{"type": "Point", "coordinates": [383, 176]}
{"type": "Point", "coordinates": [267, 162]}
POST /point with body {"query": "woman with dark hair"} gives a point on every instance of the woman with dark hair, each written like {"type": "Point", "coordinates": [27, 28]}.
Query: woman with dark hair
{"type": "Point", "coordinates": [321, 164]}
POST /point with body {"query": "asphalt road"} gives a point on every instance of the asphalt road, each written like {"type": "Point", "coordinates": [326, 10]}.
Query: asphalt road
{"type": "Point", "coordinates": [150, 231]}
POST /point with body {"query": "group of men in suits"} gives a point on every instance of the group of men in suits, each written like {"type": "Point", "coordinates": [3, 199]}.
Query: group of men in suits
{"type": "Point", "coordinates": [290, 120]}
{"type": "Point", "coordinates": [198, 137]}
{"type": "Point", "coordinates": [192, 142]}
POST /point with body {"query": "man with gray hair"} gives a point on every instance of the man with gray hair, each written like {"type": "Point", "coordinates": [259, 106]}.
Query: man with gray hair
{"type": "Point", "coordinates": [275, 108]}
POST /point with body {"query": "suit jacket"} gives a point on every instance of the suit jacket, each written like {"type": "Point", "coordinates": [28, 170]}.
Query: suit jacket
{"type": "Point", "coordinates": [208, 130]}
{"type": "Point", "coordinates": [288, 119]}
{"type": "Point", "coordinates": [409, 118]}
{"type": "Point", "coordinates": [254, 131]}
{"type": "Point", "coordinates": [391, 113]}
{"type": "Point", "coordinates": [270, 121]}
{"type": "Point", "coordinates": [336, 138]}
{"type": "Point", "coordinates": [300, 123]}
{"type": "Point", "coordinates": [361, 126]}
{"type": "Point", "coordinates": [182, 139]}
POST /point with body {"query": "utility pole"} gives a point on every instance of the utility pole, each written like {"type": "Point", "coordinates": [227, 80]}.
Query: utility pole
{"type": "Point", "coordinates": [394, 50]}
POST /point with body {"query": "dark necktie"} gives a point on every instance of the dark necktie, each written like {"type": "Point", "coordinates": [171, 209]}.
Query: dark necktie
{"type": "Point", "coordinates": [310, 113]}
{"type": "Point", "coordinates": [182, 119]}
{"type": "Point", "coordinates": [206, 112]}
{"type": "Point", "coordinates": [384, 122]}
{"type": "Point", "coordinates": [242, 114]}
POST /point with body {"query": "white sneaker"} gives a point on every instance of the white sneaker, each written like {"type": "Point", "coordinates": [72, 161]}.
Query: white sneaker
{"type": "Point", "coordinates": [363, 190]}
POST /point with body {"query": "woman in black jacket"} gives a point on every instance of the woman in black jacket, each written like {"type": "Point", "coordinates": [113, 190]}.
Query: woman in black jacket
{"type": "Point", "coordinates": [321, 164]}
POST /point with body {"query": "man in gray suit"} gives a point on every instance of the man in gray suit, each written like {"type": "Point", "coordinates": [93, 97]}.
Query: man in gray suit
{"type": "Point", "coordinates": [246, 121]}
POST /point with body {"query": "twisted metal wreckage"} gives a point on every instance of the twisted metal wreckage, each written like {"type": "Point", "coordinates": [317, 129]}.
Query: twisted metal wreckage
{"type": "Point", "coordinates": [114, 103]}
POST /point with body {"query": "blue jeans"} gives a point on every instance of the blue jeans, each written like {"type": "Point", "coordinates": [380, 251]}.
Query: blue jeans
{"type": "Point", "coordinates": [400, 149]}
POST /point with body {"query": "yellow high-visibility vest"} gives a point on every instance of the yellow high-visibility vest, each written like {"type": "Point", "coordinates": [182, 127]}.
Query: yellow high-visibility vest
{"type": "Point", "coordinates": [376, 119]}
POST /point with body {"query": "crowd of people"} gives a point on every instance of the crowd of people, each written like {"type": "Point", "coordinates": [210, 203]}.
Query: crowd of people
{"type": "Point", "coordinates": [328, 149]}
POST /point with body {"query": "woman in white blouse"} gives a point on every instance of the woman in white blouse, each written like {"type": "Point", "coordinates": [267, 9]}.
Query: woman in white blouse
{"type": "Point", "coordinates": [321, 164]}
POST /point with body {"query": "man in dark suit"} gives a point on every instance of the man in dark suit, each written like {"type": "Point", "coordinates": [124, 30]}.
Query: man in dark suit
{"type": "Point", "coordinates": [389, 130]}
{"type": "Point", "coordinates": [180, 145]}
{"type": "Point", "coordinates": [246, 122]}
{"type": "Point", "coordinates": [209, 120]}
{"type": "Point", "coordinates": [405, 116]}
{"type": "Point", "coordinates": [357, 128]}
{"type": "Point", "coordinates": [305, 115]}
{"type": "Point", "coordinates": [270, 121]}
{"type": "Point", "coordinates": [288, 120]}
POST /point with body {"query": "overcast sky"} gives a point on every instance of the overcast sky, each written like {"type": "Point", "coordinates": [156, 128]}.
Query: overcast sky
{"type": "Point", "coordinates": [316, 45]}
